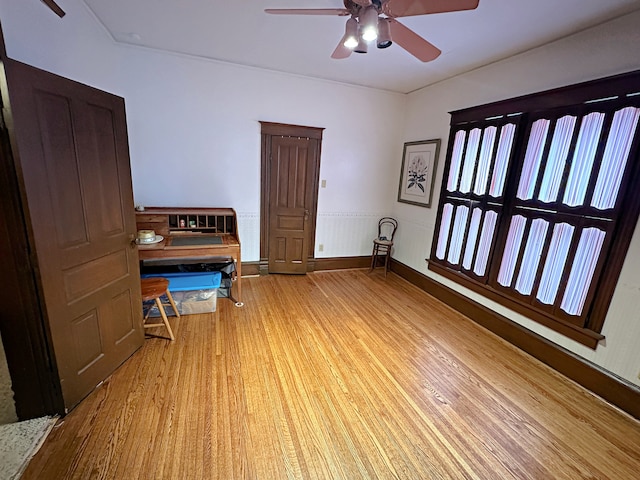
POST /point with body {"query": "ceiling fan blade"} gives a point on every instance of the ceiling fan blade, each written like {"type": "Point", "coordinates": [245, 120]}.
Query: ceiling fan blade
{"type": "Point", "coordinates": [408, 8]}
{"type": "Point", "coordinates": [55, 7]}
{"type": "Point", "coordinates": [341, 51]}
{"type": "Point", "coordinates": [341, 12]}
{"type": "Point", "coordinates": [413, 43]}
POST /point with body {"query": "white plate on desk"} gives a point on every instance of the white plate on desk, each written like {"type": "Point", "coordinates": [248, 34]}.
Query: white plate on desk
{"type": "Point", "coordinates": [158, 239]}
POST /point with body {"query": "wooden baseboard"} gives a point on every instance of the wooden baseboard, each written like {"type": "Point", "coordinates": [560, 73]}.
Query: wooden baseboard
{"type": "Point", "coordinates": [315, 265]}
{"type": "Point", "coordinates": [340, 263]}
{"type": "Point", "coordinates": [250, 269]}
{"type": "Point", "coordinates": [607, 385]}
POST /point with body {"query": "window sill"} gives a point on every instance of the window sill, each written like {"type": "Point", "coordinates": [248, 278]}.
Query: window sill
{"type": "Point", "coordinates": [583, 336]}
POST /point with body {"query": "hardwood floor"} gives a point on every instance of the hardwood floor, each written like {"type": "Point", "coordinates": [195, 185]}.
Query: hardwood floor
{"type": "Point", "coordinates": [337, 375]}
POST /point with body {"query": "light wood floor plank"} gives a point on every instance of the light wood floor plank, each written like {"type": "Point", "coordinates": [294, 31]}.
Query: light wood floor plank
{"type": "Point", "coordinates": [337, 375]}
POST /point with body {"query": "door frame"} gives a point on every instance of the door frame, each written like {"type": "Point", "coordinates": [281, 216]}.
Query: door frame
{"type": "Point", "coordinates": [27, 343]}
{"type": "Point", "coordinates": [269, 130]}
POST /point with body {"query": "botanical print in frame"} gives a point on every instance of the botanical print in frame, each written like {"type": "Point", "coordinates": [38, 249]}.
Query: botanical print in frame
{"type": "Point", "coordinates": [419, 162]}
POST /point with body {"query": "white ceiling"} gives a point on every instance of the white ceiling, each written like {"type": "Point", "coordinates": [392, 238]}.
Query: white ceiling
{"type": "Point", "coordinates": [239, 32]}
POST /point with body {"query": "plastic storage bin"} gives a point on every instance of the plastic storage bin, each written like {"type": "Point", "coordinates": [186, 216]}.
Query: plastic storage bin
{"type": "Point", "coordinates": [192, 292]}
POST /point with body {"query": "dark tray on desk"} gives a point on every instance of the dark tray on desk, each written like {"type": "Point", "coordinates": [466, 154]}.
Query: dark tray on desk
{"type": "Point", "coordinates": [196, 240]}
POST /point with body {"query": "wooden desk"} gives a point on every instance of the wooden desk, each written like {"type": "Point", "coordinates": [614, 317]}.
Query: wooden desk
{"type": "Point", "coordinates": [192, 234]}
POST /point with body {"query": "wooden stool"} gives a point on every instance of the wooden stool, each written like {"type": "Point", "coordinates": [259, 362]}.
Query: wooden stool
{"type": "Point", "coordinates": [152, 289]}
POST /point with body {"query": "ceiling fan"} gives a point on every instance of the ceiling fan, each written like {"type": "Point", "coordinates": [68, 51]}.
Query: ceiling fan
{"type": "Point", "coordinates": [54, 6]}
{"type": "Point", "coordinates": [376, 20]}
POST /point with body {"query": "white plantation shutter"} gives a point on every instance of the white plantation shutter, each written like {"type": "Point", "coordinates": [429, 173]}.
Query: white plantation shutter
{"type": "Point", "coordinates": [502, 160]}
{"type": "Point", "coordinates": [445, 227]}
{"type": "Point", "coordinates": [557, 159]}
{"type": "Point", "coordinates": [472, 238]}
{"type": "Point", "coordinates": [484, 247]}
{"type": "Point", "coordinates": [614, 160]}
{"type": "Point", "coordinates": [555, 262]}
{"type": "Point", "coordinates": [533, 215]}
{"type": "Point", "coordinates": [525, 256]}
{"type": "Point", "coordinates": [470, 160]}
{"type": "Point", "coordinates": [583, 158]}
{"type": "Point", "coordinates": [484, 163]}
{"type": "Point", "coordinates": [456, 160]}
{"type": "Point", "coordinates": [476, 176]}
{"type": "Point", "coordinates": [511, 250]}
{"type": "Point", "coordinates": [533, 158]}
{"type": "Point", "coordinates": [531, 257]}
{"type": "Point", "coordinates": [457, 236]}
{"type": "Point", "coordinates": [584, 264]}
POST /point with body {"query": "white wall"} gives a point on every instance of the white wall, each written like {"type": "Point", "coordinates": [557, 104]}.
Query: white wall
{"type": "Point", "coordinates": [194, 131]}
{"type": "Point", "coordinates": [73, 46]}
{"type": "Point", "coordinates": [605, 50]}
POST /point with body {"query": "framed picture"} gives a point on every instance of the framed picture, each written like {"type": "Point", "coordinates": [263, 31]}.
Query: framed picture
{"type": "Point", "coordinates": [419, 162]}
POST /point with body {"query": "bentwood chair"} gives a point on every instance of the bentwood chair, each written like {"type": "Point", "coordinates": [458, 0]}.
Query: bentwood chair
{"type": "Point", "coordinates": [382, 244]}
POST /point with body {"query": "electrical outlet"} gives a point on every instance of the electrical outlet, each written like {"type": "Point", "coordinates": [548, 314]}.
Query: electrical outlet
{"type": "Point", "coordinates": [323, 184]}
{"type": "Point", "coordinates": [321, 247]}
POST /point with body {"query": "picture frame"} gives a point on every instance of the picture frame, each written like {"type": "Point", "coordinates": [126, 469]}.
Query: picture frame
{"type": "Point", "coordinates": [417, 174]}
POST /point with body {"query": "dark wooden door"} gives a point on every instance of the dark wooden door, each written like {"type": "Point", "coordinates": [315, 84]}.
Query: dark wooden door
{"type": "Point", "coordinates": [292, 185]}
{"type": "Point", "coordinates": [71, 150]}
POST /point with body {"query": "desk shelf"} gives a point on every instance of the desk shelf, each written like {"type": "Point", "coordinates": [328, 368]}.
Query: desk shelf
{"type": "Point", "coordinates": [225, 224]}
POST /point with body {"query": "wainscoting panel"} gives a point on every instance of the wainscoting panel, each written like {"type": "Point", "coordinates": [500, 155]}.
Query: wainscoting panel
{"type": "Point", "coordinates": [413, 243]}
{"type": "Point", "coordinates": [620, 352]}
{"type": "Point", "coordinates": [249, 231]}
{"type": "Point", "coordinates": [342, 234]}
{"type": "Point", "coordinates": [346, 234]}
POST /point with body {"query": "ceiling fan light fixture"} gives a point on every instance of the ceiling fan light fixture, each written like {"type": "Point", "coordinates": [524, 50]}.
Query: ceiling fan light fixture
{"type": "Point", "coordinates": [369, 22]}
{"type": "Point", "coordinates": [384, 33]}
{"type": "Point", "coordinates": [362, 46]}
{"type": "Point", "coordinates": [350, 39]}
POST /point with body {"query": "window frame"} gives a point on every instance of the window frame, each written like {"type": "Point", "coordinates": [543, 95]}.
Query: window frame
{"type": "Point", "coordinates": [556, 103]}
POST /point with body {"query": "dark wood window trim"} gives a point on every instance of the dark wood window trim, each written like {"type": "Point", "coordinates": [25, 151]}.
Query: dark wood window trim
{"type": "Point", "coordinates": [587, 329]}
{"type": "Point", "coordinates": [582, 335]}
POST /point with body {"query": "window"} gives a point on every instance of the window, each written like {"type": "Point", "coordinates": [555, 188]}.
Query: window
{"type": "Point", "coordinates": [537, 207]}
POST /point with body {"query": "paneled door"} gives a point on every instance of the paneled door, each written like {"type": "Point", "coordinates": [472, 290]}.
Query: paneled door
{"type": "Point", "coordinates": [292, 184]}
{"type": "Point", "coordinates": [71, 149]}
